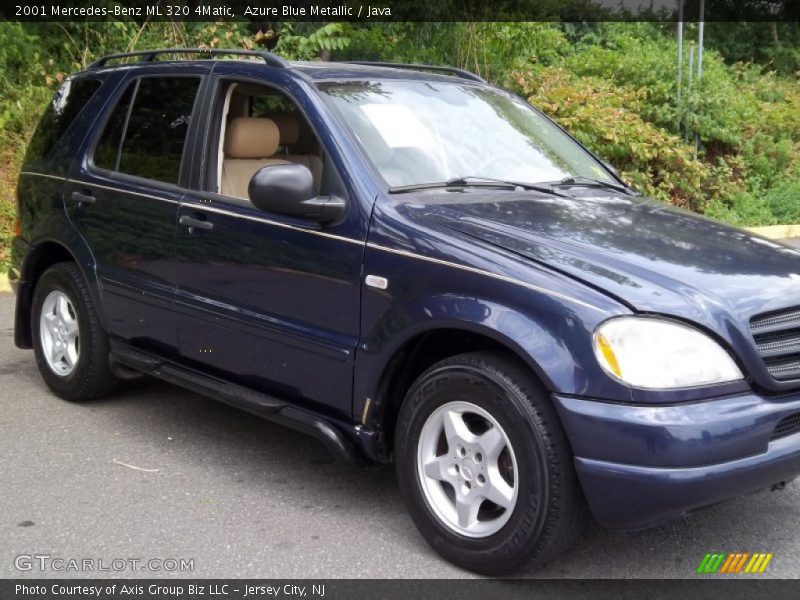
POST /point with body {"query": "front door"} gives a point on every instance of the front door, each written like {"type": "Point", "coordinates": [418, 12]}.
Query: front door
{"type": "Point", "coordinates": [124, 195]}
{"type": "Point", "coordinates": [270, 301]}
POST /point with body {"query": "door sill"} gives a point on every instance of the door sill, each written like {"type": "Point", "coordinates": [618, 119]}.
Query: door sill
{"type": "Point", "coordinates": [257, 403]}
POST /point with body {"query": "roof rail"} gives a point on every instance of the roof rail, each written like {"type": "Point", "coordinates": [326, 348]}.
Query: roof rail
{"type": "Point", "coordinates": [435, 68]}
{"type": "Point", "coordinates": [273, 60]}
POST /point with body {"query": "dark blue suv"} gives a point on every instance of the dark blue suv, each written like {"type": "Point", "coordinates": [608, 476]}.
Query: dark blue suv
{"type": "Point", "coordinates": [417, 268]}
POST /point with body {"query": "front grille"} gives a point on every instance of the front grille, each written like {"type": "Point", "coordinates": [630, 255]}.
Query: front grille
{"type": "Point", "coordinates": [777, 337]}
{"type": "Point", "coordinates": [786, 426]}
{"type": "Point", "coordinates": [784, 318]}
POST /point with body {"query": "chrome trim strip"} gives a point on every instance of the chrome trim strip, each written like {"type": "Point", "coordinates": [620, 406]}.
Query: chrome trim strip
{"type": "Point", "coordinates": [103, 187]}
{"type": "Point", "coordinates": [497, 276]}
{"type": "Point", "coordinates": [222, 211]}
{"type": "Point", "coordinates": [43, 175]}
{"type": "Point", "coordinates": [127, 191]}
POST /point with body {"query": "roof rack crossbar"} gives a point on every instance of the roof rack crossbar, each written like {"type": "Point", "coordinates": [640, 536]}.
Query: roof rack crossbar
{"type": "Point", "coordinates": [463, 74]}
{"type": "Point", "coordinates": [273, 60]}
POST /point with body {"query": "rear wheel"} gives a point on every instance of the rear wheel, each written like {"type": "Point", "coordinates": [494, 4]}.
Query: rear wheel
{"type": "Point", "coordinates": [484, 466]}
{"type": "Point", "coordinates": [70, 345]}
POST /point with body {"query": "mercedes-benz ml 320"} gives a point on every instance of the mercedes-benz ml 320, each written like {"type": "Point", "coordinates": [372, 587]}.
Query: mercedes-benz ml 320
{"type": "Point", "coordinates": [420, 269]}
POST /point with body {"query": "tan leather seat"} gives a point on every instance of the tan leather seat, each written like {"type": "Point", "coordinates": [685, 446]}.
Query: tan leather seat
{"type": "Point", "coordinates": [250, 144]}
{"type": "Point", "coordinates": [290, 136]}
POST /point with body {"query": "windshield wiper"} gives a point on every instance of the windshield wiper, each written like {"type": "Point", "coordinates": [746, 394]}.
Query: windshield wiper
{"type": "Point", "coordinates": [479, 182]}
{"type": "Point", "coordinates": [578, 180]}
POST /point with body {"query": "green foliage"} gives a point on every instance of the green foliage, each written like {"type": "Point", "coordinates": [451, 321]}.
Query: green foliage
{"type": "Point", "coordinates": [641, 56]}
{"type": "Point", "coordinates": [783, 201]}
{"type": "Point", "coordinates": [607, 120]}
{"type": "Point", "coordinates": [313, 45]}
{"type": "Point", "coordinates": [772, 44]}
{"type": "Point", "coordinates": [495, 49]}
{"type": "Point", "coordinates": [492, 50]}
{"type": "Point", "coordinates": [22, 85]}
{"type": "Point", "coordinates": [743, 209]}
{"type": "Point", "coordinates": [221, 35]}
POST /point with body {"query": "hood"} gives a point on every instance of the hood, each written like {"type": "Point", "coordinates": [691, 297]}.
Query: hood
{"type": "Point", "coordinates": [650, 256]}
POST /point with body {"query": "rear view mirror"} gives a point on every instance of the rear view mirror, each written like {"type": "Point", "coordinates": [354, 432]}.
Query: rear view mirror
{"type": "Point", "coordinates": [288, 189]}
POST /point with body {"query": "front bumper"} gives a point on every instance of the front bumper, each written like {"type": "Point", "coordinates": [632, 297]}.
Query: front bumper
{"type": "Point", "coordinates": [643, 465]}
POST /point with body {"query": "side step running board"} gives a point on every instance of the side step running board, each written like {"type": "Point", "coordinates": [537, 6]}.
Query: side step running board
{"type": "Point", "coordinates": [241, 397]}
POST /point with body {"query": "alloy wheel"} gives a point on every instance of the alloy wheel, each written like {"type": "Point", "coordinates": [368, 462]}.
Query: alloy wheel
{"type": "Point", "coordinates": [59, 333]}
{"type": "Point", "coordinates": [467, 469]}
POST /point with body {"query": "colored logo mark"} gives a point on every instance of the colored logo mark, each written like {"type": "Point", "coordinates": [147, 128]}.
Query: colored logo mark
{"type": "Point", "coordinates": [734, 563]}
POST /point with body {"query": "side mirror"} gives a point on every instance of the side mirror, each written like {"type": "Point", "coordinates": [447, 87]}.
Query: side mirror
{"type": "Point", "coordinates": [289, 190]}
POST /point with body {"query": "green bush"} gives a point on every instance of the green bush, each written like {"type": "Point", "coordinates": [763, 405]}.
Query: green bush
{"type": "Point", "coordinates": [743, 209]}
{"type": "Point", "coordinates": [783, 201]}
{"type": "Point", "coordinates": [642, 56]}
{"type": "Point", "coordinates": [606, 119]}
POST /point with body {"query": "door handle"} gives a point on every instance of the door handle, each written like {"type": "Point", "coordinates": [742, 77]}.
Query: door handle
{"type": "Point", "coordinates": [83, 199]}
{"type": "Point", "coordinates": [193, 223]}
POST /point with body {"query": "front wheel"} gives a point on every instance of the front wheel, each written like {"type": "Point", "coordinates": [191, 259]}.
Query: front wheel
{"type": "Point", "coordinates": [484, 466]}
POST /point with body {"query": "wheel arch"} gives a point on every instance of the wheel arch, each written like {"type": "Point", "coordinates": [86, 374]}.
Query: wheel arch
{"type": "Point", "coordinates": [41, 256]}
{"type": "Point", "coordinates": [417, 350]}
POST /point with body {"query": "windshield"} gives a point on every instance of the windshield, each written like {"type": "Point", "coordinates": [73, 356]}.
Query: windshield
{"type": "Point", "coordinates": [424, 132]}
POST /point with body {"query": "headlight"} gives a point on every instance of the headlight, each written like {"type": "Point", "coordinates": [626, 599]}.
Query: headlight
{"type": "Point", "coordinates": [654, 353]}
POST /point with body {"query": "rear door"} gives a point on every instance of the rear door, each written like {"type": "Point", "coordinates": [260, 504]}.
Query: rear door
{"type": "Point", "coordinates": [124, 194]}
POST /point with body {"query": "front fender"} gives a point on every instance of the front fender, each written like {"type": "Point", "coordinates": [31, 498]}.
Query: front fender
{"type": "Point", "coordinates": [432, 278]}
{"type": "Point", "coordinates": [533, 342]}
{"type": "Point", "coordinates": [553, 340]}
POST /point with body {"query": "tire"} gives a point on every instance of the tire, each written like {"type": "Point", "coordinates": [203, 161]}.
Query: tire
{"type": "Point", "coordinates": [544, 510]}
{"type": "Point", "coordinates": [71, 328]}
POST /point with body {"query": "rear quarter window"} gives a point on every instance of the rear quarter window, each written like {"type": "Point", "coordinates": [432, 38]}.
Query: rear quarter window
{"type": "Point", "coordinates": [63, 109]}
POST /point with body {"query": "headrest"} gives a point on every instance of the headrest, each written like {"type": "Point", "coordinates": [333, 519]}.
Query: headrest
{"type": "Point", "coordinates": [248, 137]}
{"type": "Point", "coordinates": [289, 128]}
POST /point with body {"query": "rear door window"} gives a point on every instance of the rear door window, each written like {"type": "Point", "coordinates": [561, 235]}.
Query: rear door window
{"type": "Point", "coordinates": [146, 134]}
{"type": "Point", "coordinates": [106, 154]}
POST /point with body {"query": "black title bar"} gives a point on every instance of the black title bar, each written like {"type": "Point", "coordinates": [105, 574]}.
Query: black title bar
{"type": "Point", "coordinates": [265, 11]}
